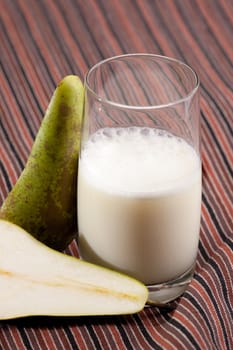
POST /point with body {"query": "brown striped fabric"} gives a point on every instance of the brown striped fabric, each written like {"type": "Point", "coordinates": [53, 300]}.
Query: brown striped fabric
{"type": "Point", "coordinates": [41, 41]}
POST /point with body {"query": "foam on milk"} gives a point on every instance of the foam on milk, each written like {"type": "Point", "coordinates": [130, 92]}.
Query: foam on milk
{"type": "Point", "coordinates": [138, 161]}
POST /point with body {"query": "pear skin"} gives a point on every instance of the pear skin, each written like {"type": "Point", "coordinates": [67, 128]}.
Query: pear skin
{"type": "Point", "coordinates": [43, 200]}
{"type": "Point", "coordinates": [37, 280]}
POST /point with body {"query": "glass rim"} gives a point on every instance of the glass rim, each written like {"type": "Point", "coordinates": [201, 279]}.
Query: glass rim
{"type": "Point", "coordinates": [138, 107]}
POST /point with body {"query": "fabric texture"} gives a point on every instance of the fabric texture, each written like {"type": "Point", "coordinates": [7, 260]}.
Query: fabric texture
{"type": "Point", "coordinates": [41, 42]}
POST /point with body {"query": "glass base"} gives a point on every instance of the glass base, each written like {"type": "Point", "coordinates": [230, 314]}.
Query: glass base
{"type": "Point", "coordinates": [161, 294]}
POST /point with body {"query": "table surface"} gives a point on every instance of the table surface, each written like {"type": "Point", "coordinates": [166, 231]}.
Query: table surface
{"type": "Point", "coordinates": [43, 41]}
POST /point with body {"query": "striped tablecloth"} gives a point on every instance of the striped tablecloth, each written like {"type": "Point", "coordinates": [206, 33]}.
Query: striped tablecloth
{"type": "Point", "coordinates": [41, 41]}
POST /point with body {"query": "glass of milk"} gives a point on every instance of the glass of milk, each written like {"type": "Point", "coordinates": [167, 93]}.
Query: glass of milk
{"type": "Point", "coordinates": [139, 180]}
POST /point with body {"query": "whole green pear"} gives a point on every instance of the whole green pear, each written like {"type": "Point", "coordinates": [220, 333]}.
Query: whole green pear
{"type": "Point", "coordinates": [43, 200]}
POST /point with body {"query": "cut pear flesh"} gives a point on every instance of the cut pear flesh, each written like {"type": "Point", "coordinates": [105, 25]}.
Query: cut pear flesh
{"type": "Point", "coordinates": [37, 280]}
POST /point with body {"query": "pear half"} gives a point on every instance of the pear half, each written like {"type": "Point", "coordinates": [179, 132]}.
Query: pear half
{"type": "Point", "coordinates": [37, 280]}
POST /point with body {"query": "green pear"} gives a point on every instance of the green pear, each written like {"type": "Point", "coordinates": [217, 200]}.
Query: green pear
{"type": "Point", "coordinates": [43, 200]}
{"type": "Point", "coordinates": [37, 280]}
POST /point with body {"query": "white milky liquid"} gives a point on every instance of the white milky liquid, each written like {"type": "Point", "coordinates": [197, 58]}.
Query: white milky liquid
{"type": "Point", "coordinates": [139, 200]}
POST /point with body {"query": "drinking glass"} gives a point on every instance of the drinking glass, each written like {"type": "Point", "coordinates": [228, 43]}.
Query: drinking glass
{"type": "Point", "coordinates": [139, 179]}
